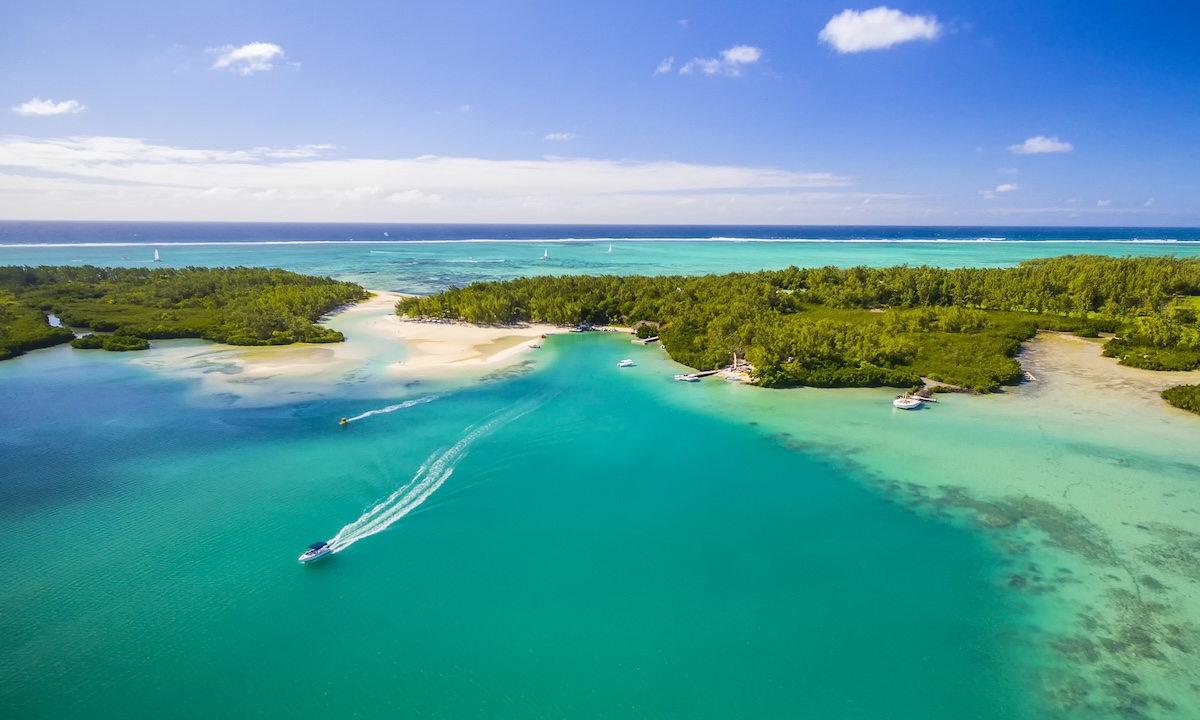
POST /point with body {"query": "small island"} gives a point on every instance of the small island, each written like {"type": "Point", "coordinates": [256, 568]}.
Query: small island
{"type": "Point", "coordinates": [864, 327]}
{"type": "Point", "coordinates": [127, 307]}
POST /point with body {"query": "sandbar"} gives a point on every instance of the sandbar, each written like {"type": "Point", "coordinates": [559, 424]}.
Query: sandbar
{"type": "Point", "coordinates": [382, 355]}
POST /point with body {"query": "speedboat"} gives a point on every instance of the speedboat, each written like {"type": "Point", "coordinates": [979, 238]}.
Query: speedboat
{"type": "Point", "coordinates": [907, 402]}
{"type": "Point", "coordinates": [535, 346]}
{"type": "Point", "coordinates": [316, 551]}
{"type": "Point", "coordinates": [687, 378]}
{"type": "Point", "coordinates": [625, 363]}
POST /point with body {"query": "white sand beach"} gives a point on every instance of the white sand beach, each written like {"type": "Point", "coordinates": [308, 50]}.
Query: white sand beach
{"type": "Point", "coordinates": [381, 353]}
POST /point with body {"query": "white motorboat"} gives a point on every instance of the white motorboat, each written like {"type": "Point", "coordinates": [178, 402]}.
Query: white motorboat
{"type": "Point", "coordinates": [316, 551]}
{"type": "Point", "coordinates": [625, 363]}
{"type": "Point", "coordinates": [535, 346]}
{"type": "Point", "coordinates": [687, 378]}
{"type": "Point", "coordinates": [907, 402]}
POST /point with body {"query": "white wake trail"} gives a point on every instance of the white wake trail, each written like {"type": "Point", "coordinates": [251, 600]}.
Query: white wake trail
{"type": "Point", "coordinates": [429, 477]}
{"type": "Point", "coordinates": [393, 408]}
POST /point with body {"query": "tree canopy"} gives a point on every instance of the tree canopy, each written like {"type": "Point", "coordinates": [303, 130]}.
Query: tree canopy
{"type": "Point", "coordinates": [239, 306]}
{"type": "Point", "coordinates": [867, 326]}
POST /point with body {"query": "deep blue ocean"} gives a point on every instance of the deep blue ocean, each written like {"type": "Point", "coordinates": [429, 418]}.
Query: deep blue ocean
{"type": "Point", "coordinates": [65, 233]}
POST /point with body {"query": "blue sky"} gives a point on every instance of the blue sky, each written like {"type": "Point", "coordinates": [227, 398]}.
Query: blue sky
{"type": "Point", "coordinates": [1013, 112]}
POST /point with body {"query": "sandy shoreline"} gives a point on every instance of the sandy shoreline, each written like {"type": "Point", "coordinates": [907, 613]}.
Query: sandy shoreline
{"type": "Point", "coordinates": [381, 356]}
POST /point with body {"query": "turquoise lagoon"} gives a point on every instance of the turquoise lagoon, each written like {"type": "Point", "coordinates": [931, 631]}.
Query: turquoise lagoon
{"type": "Point", "coordinates": [575, 540]}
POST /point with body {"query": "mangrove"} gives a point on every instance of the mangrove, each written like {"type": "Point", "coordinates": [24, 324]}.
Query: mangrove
{"type": "Point", "coordinates": [131, 306]}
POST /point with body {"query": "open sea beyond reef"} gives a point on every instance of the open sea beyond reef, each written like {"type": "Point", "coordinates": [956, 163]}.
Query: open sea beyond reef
{"type": "Point", "coordinates": [575, 540]}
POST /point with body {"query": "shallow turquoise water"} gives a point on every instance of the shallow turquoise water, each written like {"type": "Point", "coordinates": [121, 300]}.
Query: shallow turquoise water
{"type": "Point", "coordinates": [603, 555]}
{"type": "Point", "coordinates": [422, 267]}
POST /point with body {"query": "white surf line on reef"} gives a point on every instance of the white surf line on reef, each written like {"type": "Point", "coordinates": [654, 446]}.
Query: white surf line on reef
{"type": "Point", "coordinates": [436, 470]}
{"type": "Point", "coordinates": [393, 408]}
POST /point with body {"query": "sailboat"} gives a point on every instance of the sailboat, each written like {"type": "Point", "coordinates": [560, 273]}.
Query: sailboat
{"type": "Point", "coordinates": [156, 255]}
{"type": "Point", "coordinates": [610, 248]}
{"type": "Point", "coordinates": [546, 254]}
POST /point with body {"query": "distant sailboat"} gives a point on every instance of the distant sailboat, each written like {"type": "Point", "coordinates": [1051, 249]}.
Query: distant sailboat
{"type": "Point", "coordinates": [546, 254]}
{"type": "Point", "coordinates": [610, 248]}
{"type": "Point", "coordinates": [156, 255]}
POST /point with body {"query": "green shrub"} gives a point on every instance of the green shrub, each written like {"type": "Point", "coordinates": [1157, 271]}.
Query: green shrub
{"type": "Point", "coordinates": [1185, 397]}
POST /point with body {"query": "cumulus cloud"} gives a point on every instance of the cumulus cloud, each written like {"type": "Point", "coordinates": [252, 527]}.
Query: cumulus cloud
{"type": "Point", "coordinates": [247, 59]}
{"type": "Point", "coordinates": [560, 136]}
{"type": "Point", "coordinates": [130, 178]}
{"type": "Point", "coordinates": [852, 31]}
{"type": "Point", "coordinates": [1041, 144]}
{"type": "Point", "coordinates": [665, 66]}
{"type": "Point", "coordinates": [729, 63]}
{"type": "Point", "coordinates": [1002, 188]}
{"type": "Point", "coordinates": [38, 107]}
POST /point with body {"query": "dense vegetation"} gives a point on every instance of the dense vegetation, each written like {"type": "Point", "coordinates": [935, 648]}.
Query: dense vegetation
{"type": "Point", "coordinates": [1186, 397]}
{"type": "Point", "coordinates": [866, 326]}
{"type": "Point", "coordinates": [239, 306]}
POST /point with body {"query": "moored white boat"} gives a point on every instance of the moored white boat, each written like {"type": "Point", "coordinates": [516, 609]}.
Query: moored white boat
{"type": "Point", "coordinates": [687, 378]}
{"type": "Point", "coordinates": [316, 551]}
{"type": "Point", "coordinates": [625, 363]}
{"type": "Point", "coordinates": [907, 402]}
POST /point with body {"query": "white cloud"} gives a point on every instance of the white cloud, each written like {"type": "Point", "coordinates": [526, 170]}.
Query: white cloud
{"type": "Point", "coordinates": [1006, 171]}
{"type": "Point", "coordinates": [730, 63]}
{"type": "Point", "coordinates": [561, 136]}
{"type": "Point", "coordinates": [464, 108]}
{"type": "Point", "coordinates": [665, 66]}
{"type": "Point", "coordinates": [1002, 188]}
{"type": "Point", "coordinates": [1148, 203]}
{"type": "Point", "coordinates": [852, 31]}
{"type": "Point", "coordinates": [1103, 203]}
{"type": "Point", "coordinates": [247, 59]}
{"type": "Point", "coordinates": [129, 178]}
{"type": "Point", "coordinates": [38, 107]}
{"type": "Point", "coordinates": [1041, 144]}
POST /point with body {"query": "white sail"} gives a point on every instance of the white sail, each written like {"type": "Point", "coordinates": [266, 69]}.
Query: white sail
{"type": "Point", "coordinates": [156, 256]}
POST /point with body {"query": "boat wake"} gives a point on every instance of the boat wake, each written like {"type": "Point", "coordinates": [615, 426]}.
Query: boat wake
{"type": "Point", "coordinates": [436, 470]}
{"type": "Point", "coordinates": [393, 408]}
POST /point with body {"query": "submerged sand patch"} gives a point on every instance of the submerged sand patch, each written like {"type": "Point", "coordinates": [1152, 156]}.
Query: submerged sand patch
{"type": "Point", "coordinates": [1086, 481]}
{"type": "Point", "coordinates": [382, 356]}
